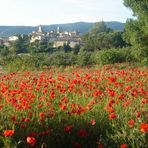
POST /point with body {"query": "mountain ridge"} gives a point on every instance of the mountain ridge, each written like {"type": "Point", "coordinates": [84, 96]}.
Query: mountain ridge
{"type": "Point", "coordinates": [82, 27]}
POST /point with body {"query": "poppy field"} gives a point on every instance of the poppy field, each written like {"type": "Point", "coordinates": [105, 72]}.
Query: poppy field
{"type": "Point", "coordinates": [96, 107]}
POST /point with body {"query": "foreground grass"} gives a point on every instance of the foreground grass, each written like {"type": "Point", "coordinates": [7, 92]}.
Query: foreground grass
{"type": "Point", "coordinates": [75, 107]}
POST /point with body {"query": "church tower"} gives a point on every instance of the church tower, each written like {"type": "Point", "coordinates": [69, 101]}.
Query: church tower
{"type": "Point", "coordinates": [40, 29]}
{"type": "Point", "coordinates": [58, 30]}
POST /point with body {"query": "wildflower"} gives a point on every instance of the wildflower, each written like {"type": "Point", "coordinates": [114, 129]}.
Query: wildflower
{"type": "Point", "coordinates": [138, 114]}
{"type": "Point", "coordinates": [8, 133]}
{"type": "Point", "coordinates": [111, 93]}
{"type": "Point", "coordinates": [82, 133]}
{"type": "Point", "coordinates": [101, 145]}
{"type": "Point", "coordinates": [25, 119]}
{"type": "Point", "coordinates": [112, 79]}
{"type": "Point", "coordinates": [41, 114]}
{"type": "Point", "coordinates": [144, 127]}
{"type": "Point", "coordinates": [31, 141]}
{"type": "Point", "coordinates": [62, 106]}
{"type": "Point", "coordinates": [22, 125]}
{"type": "Point", "coordinates": [131, 123]}
{"type": "Point", "coordinates": [128, 88]}
{"type": "Point", "coordinates": [111, 110]}
{"type": "Point", "coordinates": [112, 116]}
{"type": "Point", "coordinates": [93, 122]}
{"type": "Point", "coordinates": [123, 146]}
{"type": "Point", "coordinates": [68, 128]}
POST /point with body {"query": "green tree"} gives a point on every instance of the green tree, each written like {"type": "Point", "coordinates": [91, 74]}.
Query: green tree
{"type": "Point", "coordinates": [4, 50]}
{"type": "Point", "coordinates": [20, 45]}
{"type": "Point", "coordinates": [98, 28]}
{"type": "Point", "coordinates": [76, 49]}
{"type": "Point", "coordinates": [50, 47]}
{"type": "Point", "coordinates": [66, 47]}
{"type": "Point", "coordinates": [101, 37]}
{"type": "Point", "coordinates": [136, 31]}
{"type": "Point", "coordinates": [39, 46]}
{"type": "Point", "coordinates": [84, 58]}
{"type": "Point", "coordinates": [88, 42]}
{"type": "Point", "coordinates": [117, 39]}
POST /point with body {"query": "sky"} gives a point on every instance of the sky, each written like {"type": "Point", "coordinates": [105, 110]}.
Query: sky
{"type": "Point", "coordinates": [46, 12]}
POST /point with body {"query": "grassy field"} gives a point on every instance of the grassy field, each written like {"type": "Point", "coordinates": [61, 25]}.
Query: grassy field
{"type": "Point", "coordinates": [74, 107]}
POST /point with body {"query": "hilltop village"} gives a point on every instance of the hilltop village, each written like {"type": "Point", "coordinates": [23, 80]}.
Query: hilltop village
{"type": "Point", "coordinates": [57, 37]}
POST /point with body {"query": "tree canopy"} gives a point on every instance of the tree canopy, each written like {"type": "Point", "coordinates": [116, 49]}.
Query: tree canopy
{"type": "Point", "coordinates": [136, 31]}
{"type": "Point", "coordinates": [101, 37]}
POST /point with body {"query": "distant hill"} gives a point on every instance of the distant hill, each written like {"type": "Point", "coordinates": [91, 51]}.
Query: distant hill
{"type": "Point", "coordinates": [82, 27]}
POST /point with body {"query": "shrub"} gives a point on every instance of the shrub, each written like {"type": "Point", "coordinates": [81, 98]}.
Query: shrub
{"type": "Point", "coordinates": [145, 61]}
{"type": "Point", "coordinates": [84, 58]}
{"type": "Point", "coordinates": [4, 51]}
{"type": "Point", "coordinates": [140, 55]}
{"type": "Point", "coordinates": [23, 61]}
{"type": "Point", "coordinates": [61, 58]}
{"type": "Point", "coordinates": [112, 56]}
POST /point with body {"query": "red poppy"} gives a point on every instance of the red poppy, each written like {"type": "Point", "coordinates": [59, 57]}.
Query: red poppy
{"type": "Point", "coordinates": [22, 125]}
{"type": "Point", "coordinates": [123, 146]}
{"type": "Point", "coordinates": [138, 114]}
{"type": "Point", "coordinates": [101, 145]}
{"type": "Point", "coordinates": [42, 115]}
{"type": "Point", "coordinates": [62, 106]}
{"type": "Point", "coordinates": [128, 88]}
{"type": "Point", "coordinates": [131, 123]}
{"type": "Point", "coordinates": [31, 141]}
{"type": "Point", "coordinates": [112, 116]}
{"type": "Point", "coordinates": [111, 110]}
{"type": "Point", "coordinates": [144, 127]}
{"type": "Point", "coordinates": [112, 93]}
{"type": "Point", "coordinates": [68, 128]}
{"type": "Point", "coordinates": [112, 79]}
{"type": "Point", "coordinates": [93, 122]}
{"type": "Point", "coordinates": [8, 133]}
{"type": "Point", "coordinates": [82, 133]}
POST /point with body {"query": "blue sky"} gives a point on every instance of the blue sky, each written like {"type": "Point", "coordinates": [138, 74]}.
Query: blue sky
{"type": "Point", "coordinates": [35, 12]}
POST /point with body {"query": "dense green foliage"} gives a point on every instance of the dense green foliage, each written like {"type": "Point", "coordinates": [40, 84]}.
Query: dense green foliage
{"type": "Point", "coordinates": [136, 31]}
{"type": "Point", "coordinates": [4, 50]}
{"type": "Point", "coordinates": [112, 56]}
{"type": "Point", "coordinates": [38, 47]}
{"type": "Point", "coordinates": [101, 37]}
{"type": "Point", "coordinates": [61, 58]}
{"type": "Point", "coordinates": [20, 45]}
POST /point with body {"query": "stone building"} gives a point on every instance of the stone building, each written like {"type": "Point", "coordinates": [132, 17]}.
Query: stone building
{"type": "Point", "coordinates": [38, 35]}
{"type": "Point", "coordinates": [57, 37]}
{"type": "Point", "coordinates": [13, 38]}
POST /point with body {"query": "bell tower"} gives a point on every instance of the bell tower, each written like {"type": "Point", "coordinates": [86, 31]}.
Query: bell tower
{"type": "Point", "coordinates": [58, 30]}
{"type": "Point", "coordinates": [40, 29]}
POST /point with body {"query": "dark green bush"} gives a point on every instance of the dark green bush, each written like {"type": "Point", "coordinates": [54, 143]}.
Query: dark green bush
{"type": "Point", "coordinates": [23, 62]}
{"type": "Point", "coordinates": [4, 50]}
{"type": "Point", "coordinates": [112, 56]}
{"type": "Point", "coordinates": [84, 58]}
{"type": "Point", "coordinates": [140, 55]}
{"type": "Point", "coordinates": [61, 58]}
